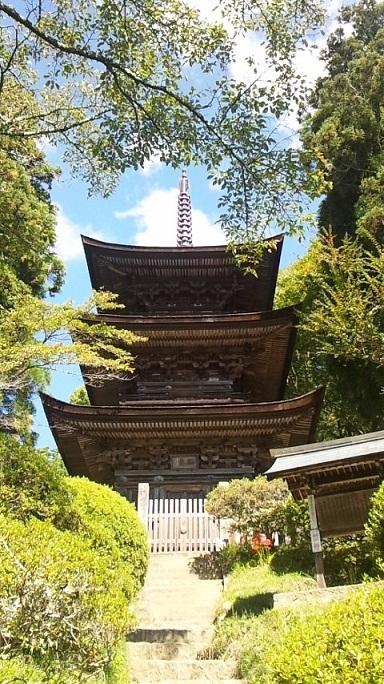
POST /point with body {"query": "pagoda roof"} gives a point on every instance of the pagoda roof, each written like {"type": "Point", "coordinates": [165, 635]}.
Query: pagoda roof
{"type": "Point", "coordinates": [114, 266]}
{"type": "Point", "coordinates": [79, 431]}
{"type": "Point", "coordinates": [246, 331]}
{"type": "Point", "coordinates": [342, 473]}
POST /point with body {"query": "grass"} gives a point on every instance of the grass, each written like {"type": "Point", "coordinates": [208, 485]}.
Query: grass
{"type": "Point", "coordinates": [338, 643]}
{"type": "Point", "coordinates": [246, 620]}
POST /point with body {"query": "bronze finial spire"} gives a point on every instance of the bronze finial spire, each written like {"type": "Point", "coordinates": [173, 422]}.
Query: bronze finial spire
{"type": "Point", "coordinates": [184, 213]}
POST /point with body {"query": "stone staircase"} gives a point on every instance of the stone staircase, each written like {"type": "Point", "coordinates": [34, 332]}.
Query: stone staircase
{"type": "Point", "coordinates": [175, 613]}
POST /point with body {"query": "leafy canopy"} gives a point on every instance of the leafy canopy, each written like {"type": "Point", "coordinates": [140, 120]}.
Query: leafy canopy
{"type": "Point", "coordinates": [31, 345]}
{"type": "Point", "coordinates": [344, 132]}
{"type": "Point", "coordinates": [340, 339]}
{"type": "Point", "coordinates": [119, 82]}
{"type": "Point", "coordinates": [27, 217]}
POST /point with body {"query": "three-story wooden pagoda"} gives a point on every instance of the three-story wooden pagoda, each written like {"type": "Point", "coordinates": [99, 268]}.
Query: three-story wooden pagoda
{"type": "Point", "coordinates": [206, 401]}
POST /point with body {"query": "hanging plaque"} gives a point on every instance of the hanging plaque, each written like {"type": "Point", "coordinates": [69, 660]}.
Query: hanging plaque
{"type": "Point", "coordinates": [184, 462]}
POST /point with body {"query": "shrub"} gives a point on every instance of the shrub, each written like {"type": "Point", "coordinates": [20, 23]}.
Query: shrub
{"type": "Point", "coordinates": [20, 671]}
{"type": "Point", "coordinates": [30, 482]}
{"type": "Point", "coordinates": [375, 528]}
{"type": "Point", "coordinates": [60, 601]}
{"type": "Point", "coordinates": [111, 525]}
{"type": "Point", "coordinates": [252, 505]}
{"type": "Point", "coordinates": [342, 643]}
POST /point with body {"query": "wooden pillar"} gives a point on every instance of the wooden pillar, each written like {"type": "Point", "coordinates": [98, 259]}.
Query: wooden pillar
{"type": "Point", "coordinates": [316, 543]}
{"type": "Point", "coordinates": [143, 502]}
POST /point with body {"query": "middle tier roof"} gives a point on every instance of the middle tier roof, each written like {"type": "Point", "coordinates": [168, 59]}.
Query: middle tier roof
{"type": "Point", "coordinates": [243, 356]}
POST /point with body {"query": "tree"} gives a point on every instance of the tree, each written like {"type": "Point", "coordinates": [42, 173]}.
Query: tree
{"type": "Point", "coordinates": [251, 505]}
{"type": "Point", "coordinates": [31, 345]}
{"type": "Point", "coordinates": [345, 131]}
{"type": "Point", "coordinates": [126, 80]}
{"type": "Point", "coordinates": [341, 331]}
{"type": "Point", "coordinates": [27, 217]}
{"type": "Point", "coordinates": [79, 396]}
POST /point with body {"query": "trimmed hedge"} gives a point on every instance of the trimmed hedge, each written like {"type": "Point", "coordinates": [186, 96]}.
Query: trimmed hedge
{"type": "Point", "coordinates": [31, 483]}
{"type": "Point", "coordinates": [73, 555]}
{"type": "Point", "coordinates": [111, 524]}
{"type": "Point", "coordinates": [60, 601]}
{"type": "Point", "coordinates": [341, 644]}
{"type": "Point", "coordinates": [19, 671]}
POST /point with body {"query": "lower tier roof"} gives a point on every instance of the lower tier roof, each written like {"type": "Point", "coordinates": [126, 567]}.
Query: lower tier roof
{"type": "Point", "coordinates": [87, 435]}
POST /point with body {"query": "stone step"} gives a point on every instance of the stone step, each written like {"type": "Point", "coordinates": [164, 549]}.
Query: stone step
{"type": "Point", "coordinates": [170, 633]}
{"type": "Point", "coordinates": [171, 650]}
{"type": "Point", "coordinates": [162, 670]}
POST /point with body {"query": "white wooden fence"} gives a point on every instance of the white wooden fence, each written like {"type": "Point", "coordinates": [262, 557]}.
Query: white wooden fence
{"type": "Point", "coordinates": [179, 525]}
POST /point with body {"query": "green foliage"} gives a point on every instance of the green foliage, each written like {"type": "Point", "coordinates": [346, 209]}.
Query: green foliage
{"type": "Point", "coordinates": [341, 643]}
{"type": "Point", "coordinates": [25, 671]}
{"type": "Point", "coordinates": [112, 527]}
{"type": "Point", "coordinates": [244, 612]}
{"type": "Point", "coordinates": [80, 397]}
{"type": "Point", "coordinates": [73, 555]}
{"type": "Point", "coordinates": [20, 671]}
{"type": "Point", "coordinates": [345, 131]}
{"type": "Point", "coordinates": [29, 345]}
{"type": "Point", "coordinates": [118, 85]}
{"type": "Point", "coordinates": [252, 505]}
{"type": "Point", "coordinates": [232, 555]}
{"type": "Point", "coordinates": [375, 528]}
{"type": "Point", "coordinates": [61, 601]}
{"type": "Point", "coordinates": [347, 560]}
{"type": "Point", "coordinates": [27, 217]}
{"type": "Point", "coordinates": [340, 333]}
{"type": "Point", "coordinates": [31, 483]}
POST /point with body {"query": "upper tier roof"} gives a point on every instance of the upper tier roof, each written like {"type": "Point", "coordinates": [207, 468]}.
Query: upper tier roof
{"type": "Point", "coordinates": [181, 279]}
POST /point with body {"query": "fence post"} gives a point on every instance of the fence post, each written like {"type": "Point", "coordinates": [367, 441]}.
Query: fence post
{"type": "Point", "coordinates": [143, 502]}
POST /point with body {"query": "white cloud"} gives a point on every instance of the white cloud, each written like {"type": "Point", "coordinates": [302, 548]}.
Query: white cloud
{"type": "Point", "coordinates": [307, 60]}
{"type": "Point", "coordinates": [209, 10]}
{"type": "Point", "coordinates": [156, 221]}
{"type": "Point", "coordinates": [151, 165]}
{"type": "Point", "coordinates": [68, 242]}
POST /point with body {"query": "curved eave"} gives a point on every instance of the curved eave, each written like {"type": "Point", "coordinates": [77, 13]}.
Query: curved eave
{"type": "Point", "coordinates": [276, 317]}
{"type": "Point", "coordinates": [150, 411]}
{"type": "Point", "coordinates": [244, 332]}
{"type": "Point", "coordinates": [75, 427]}
{"type": "Point", "coordinates": [134, 251]}
{"type": "Point", "coordinates": [108, 261]}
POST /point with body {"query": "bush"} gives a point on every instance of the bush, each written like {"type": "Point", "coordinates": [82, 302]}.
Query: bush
{"type": "Point", "coordinates": [375, 528]}
{"type": "Point", "coordinates": [252, 505]}
{"type": "Point", "coordinates": [60, 601]}
{"type": "Point", "coordinates": [111, 525]}
{"type": "Point", "coordinates": [20, 671]}
{"type": "Point", "coordinates": [342, 643]}
{"type": "Point", "coordinates": [31, 483]}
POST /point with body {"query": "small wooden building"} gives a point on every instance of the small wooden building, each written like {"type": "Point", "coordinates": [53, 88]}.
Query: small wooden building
{"type": "Point", "coordinates": [341, 474]}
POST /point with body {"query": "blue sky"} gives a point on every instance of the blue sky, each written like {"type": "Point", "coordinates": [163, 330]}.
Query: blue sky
{"type": "Point", "coordinates": [143, 209]}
